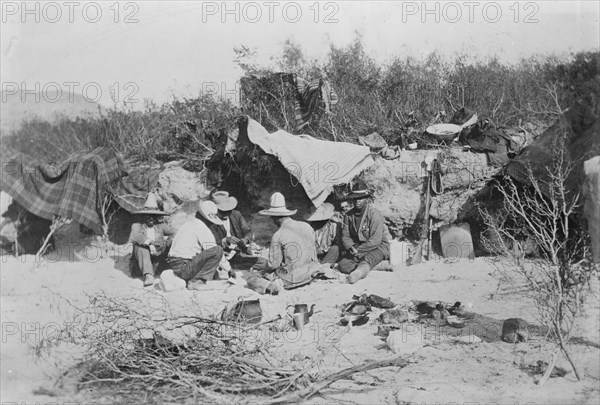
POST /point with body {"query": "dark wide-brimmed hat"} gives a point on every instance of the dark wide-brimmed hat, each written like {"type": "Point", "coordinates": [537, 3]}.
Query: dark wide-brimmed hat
{"type": "Point", "coordinates": [224, 201]}
{"type": "Point", "coordinates": [321, 213]}
{"type": "Point", "coordinates": [358, 190]}
{"type": "Point", "coordinates": [277, 208]}
{"type": "Point", "coordinates": [150, 207]}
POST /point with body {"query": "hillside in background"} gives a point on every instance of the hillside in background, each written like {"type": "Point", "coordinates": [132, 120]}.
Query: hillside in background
{"type": "Point", "coordinates": [44, 106]}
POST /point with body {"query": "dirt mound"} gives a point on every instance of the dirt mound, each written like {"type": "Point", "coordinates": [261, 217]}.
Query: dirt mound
{"type": "Point", "coordinates": [400, 185]}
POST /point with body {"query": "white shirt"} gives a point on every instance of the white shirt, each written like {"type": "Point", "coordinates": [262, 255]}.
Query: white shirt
{"type": "Point", "coordinates": [227, 226]}
{"type": "Point", "coordinates": [150, 234]}
{"type": "Point", "coordinates": [192, 238]}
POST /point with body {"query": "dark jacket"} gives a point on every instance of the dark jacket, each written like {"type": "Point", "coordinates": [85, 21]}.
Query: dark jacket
{"type": "Point", "coordinates": [239, 228]}
{"type": "Point", "coordinates": [369, 235]}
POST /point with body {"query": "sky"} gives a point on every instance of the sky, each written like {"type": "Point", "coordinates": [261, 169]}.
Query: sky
{"type": "Point", "coordinates": [113, 52]}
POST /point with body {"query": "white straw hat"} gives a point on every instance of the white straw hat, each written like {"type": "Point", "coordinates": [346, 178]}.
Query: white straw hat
{"type": "Point", "coordinates": [209, 210]}
{"type": "Point", "coordinates": [278, 208]}
{"type": "Point", "coordinates": [150, 207]}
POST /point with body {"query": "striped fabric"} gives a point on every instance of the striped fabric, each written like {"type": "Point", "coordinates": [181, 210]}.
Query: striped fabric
{"type": "Point", "coordinates": [309, 95]}
{"type": "Point", "coordinates": [70, 190]}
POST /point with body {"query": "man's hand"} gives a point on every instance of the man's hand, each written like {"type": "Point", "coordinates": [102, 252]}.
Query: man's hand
{"type": "Point", "coordinates": [354, 251]}
{"type": "Point", "coordinates": [260, 265]}
{"type": "Point", "coordinates": [231, 240]}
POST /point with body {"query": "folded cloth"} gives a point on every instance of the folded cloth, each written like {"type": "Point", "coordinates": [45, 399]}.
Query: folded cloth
{"type": "Point", "coordinates": [318, 165]}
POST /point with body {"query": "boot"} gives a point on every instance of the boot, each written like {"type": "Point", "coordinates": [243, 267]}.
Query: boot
{"type": "Point", "coordinates": [148, 280]}
{"type": "Point", "coordinates": [359, 273]}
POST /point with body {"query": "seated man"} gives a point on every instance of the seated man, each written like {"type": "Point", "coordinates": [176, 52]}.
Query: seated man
{"type": "Point", "coordinates": [291, 253]}
{"type": "Point", "coordinates": [149, 240]}
{"type": "Point", "coordinates": [328, 232]}
{"type": "Point", "coordinates": [194, 254]}
{"type": "Point", "coordinates": [234, 234]}
{"type": "Point", "coordinates": [364, 237]}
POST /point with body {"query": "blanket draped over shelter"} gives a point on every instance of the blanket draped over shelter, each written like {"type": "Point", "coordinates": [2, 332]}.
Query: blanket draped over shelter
{"type": "Point", "coordinates": [70, 190]}
{"type": "Point", "coordinates": [309, 95]}
{"type": "Point", "coordinates": [318, 165]}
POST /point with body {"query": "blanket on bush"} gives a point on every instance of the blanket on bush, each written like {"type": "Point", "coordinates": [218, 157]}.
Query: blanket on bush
{"type": "Point", "coordinates": [318, 165]}
{"type": "Point", "coordinates": [72, 189]}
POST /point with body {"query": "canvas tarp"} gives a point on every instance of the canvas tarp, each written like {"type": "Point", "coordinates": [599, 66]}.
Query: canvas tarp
{"type": "Point", "coordinates": [317, 164]}
{"type": "Point", "coordinates": [70, 190]}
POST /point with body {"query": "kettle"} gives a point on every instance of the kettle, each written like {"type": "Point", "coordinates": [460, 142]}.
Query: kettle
{"type": "Point", "coordinates": [303, 309]}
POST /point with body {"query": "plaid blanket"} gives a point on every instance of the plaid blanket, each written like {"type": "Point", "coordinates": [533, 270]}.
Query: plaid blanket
{"type": "Point", "coordinates": [71, 190]}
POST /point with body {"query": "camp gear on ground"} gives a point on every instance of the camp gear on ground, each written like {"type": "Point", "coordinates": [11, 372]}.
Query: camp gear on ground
{"type": "Point", "coordinates": [455, 321]}
{"type": "Point", "coordinates": [299, 320]}
{"type": "Point", "coordinates": [243, 311]}
{"type": "Point", "coordinates": [209, 211]}
{"type": "Point", "coordinates": [277, 207]}
{"type": "Point", "coordinates": [456, 241]}
{"type": "Point", "coordinates": [374, 300]}
{"type": "Point", "coordinates": [321, 213]}
{"type": "Point", "coordinates": [514, 330]}
{"type": "Point", "coordinates": [302, 155]}
{"type": "Point", "coordinates": [224, 201]}
{"type": "Point", "coordinates": [150, 206]}
{"type": "Point", "coordinates": [72, 190]}
{"type": "Point", "coordinates": [394, 316]}
{"type": "Point", "coordinates": [302, 309]}
{"type": "Point", "coordinates": [357, 320]}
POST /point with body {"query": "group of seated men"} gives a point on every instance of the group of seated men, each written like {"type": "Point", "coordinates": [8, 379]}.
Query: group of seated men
{"type": "Point", "coordinates": [352, 241]}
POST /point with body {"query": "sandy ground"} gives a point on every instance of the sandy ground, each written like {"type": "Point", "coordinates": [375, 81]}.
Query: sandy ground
{"type": "Point", "coordinates": [441, 370]}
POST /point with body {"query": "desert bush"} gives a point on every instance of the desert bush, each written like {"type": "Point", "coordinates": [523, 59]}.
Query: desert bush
{"type": "Point", "coordinates": [401, 96]}
{"type": "Point", "coordinates": [557, 278]}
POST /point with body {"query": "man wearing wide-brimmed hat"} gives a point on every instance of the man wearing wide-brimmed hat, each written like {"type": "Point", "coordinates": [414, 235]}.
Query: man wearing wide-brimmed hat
{"type": "Point", "coordinates": [292, 248]}
{"type": "Point", "coordinates": [194, 254]}
{"type": "Point", "coordinates": [234, 231]}
{"type": "Point", "coordinates": [328, 232]}
{"type": "Point", "coordinates": [364, 237]}
{"type": "Point", "coordinates": [149, 238]}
